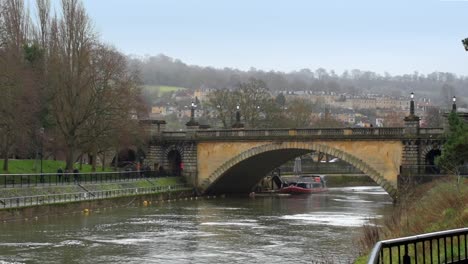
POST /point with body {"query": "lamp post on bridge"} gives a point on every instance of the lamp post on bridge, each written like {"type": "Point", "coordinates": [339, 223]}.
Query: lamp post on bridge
{"type": "Point", "coordinates": [238, 123]}
{"type": "Point", "coordinates": [454, 104]}
{"type": "Point", "coordinates": [192, 124]}
{"type": "Point", "coordinates": [412, 120]}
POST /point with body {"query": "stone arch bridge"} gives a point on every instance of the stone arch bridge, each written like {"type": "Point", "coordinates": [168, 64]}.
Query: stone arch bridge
{"type": "Point", "coordinates": [231, 161]}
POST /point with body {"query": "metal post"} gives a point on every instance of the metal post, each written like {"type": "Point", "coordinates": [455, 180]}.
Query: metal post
{"type": "Point", "coordinates": [41, 132]}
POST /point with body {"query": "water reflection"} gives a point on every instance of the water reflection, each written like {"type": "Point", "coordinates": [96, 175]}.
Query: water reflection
{"type": "Point", "coordinates": [230, 230]}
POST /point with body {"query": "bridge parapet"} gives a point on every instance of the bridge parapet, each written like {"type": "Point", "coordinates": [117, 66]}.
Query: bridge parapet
{"type": "Point", "coordinates": [322, 133]}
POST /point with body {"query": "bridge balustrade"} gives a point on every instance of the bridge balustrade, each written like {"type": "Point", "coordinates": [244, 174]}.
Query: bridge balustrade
{"type": "Point", "coordinates": [301, 132]}
{"type": "Point", "coordinates": [431, 131]}
{"type": "Point", "coordinates": [176, 134]}
{"type": "Point", "coordinates": [439, 247]}
{"type": "Point", "coordinates": [277, 132]}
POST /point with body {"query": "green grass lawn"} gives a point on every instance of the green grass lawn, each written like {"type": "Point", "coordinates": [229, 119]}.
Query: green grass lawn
{"type": "Point", "coordinates": [162, 89]}
{"type": "Point", "coordinates": [34, 166]}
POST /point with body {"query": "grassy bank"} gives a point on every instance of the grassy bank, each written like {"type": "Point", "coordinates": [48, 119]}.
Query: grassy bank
{"type": "Point", "coordinates": [437, 206]}
{"type": "Point", "coordinates": [34, 166]}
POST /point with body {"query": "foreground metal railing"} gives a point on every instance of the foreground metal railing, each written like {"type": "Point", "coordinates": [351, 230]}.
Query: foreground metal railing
{"type": "Point", "coordinates": [15, 202]}
{"type": "Point", "coordinates": [52, 179]}
{"type": "Point", "coordinates": [439, 247]}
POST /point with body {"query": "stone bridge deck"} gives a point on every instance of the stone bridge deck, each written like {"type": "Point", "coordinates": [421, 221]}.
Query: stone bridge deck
{"type": "Point", "coordinates": [303, 133]}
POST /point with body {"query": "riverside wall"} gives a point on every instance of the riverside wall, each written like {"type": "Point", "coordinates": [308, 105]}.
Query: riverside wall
{"type": "Point", "coordinates": [39, 211]}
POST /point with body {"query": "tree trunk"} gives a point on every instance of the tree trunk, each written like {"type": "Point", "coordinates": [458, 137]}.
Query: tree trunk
{"type": "Point", "coordinates": [93, 159]}
{"type": "Point", "coordinates": [69, 159]}
{"type": "Point", "coordinates": [103, 160]}
{"type": "Point", "coordinates": [116, 164]}
{"type": "Point", "coordinates": [5, 162]}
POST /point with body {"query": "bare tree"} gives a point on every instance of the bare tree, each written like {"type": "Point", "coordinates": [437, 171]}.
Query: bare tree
{"type": "Point", "coordinates": [299, 113]}
{"type": "Point", "coordinates": [225, 103]}
{"type": "Point", "coordinates": [16, 78]}
{"type": "Point", "coordinates": [91, 92]}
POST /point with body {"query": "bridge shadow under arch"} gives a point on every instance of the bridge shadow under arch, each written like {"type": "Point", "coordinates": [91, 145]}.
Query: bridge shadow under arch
{"type": "Point", "coordinates": [242, 172]}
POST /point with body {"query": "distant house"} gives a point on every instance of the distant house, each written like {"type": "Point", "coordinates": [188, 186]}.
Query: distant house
{"type": "Point", "coordinates": [159, 110]}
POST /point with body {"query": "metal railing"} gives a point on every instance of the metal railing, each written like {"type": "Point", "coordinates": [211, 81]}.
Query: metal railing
{"type": "Point", "coordinates": [322, 168]}
{"type": "Point", "coordinates": [15, 202]}
{"type": "Point", "coordinates": [439, 247]}
{"type": "Point", "coordinates": [53, 179]}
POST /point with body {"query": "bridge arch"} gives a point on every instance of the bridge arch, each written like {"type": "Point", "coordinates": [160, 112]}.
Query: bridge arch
{"type": "Point", "coordinates": [243, 171]}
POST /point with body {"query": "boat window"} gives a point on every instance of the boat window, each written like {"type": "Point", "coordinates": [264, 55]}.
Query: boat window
{"type": "Point", "coordinates": [316, 185]}
{"type": "Point", "coordinates": [302, 185]}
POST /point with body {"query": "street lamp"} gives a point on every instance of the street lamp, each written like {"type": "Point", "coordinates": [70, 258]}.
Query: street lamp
{"type": "Point", "coordinates": [192, 123]}
{"type": "Point", "coordinates": [412, 104]}
{"type": "Point", "coordinates": [238, 123]}
{"type": "Point", "coordinates": [192, 111]}
{"type": "Point", "coordinates": [454, 104]}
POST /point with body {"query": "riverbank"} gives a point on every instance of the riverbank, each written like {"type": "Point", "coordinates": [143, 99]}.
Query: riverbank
{"type": "Point", "coordinates": [349, 180]}
{"type": "Point", "coordinates": [436, 206]}
{"type": "Point", "coordinates": [344, 180]}
{"type": "Point", "coordinates": [35, 212]}
{"type": "Point", "coordinates": [27, 203]}
{"type": "Point", "coordinates": [88, 187]}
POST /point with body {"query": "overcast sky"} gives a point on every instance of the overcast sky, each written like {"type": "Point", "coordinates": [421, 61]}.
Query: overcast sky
{"type": "Point", "coordinates": [397, 36]}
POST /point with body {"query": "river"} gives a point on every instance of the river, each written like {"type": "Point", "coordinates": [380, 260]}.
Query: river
{"type": "Point", "coordinates": [295, 229]}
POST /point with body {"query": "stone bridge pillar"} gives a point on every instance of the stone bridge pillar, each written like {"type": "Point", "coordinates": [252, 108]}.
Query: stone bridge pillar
{"type": "Point", "coordinates": [159, 156]}
{"type": "Point", "coordinates": [411, 150]}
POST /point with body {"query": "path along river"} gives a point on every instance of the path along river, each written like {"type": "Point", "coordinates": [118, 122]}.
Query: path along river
{"type": "Point", "coordinates": [296, 229]}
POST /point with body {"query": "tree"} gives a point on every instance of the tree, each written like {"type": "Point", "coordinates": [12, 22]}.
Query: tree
{"type": "Point", "coordinates": [117, 98]}
{"type": "Point", "coordinates": [432, 117]}
{"type": "Point", "coordinates": [280, 100]}
{"type": "Point", "coordinates": [455, 149]}
{"type": "Point", "coordinates": [253, 96]}
{"type": "Point", "coordinates": [224, 103]}
{"type": "Point", "coordinates": [17, 78]}
{"type": "Point", "coordinates": [447, 92]}
{"type": "Point", "coordinates": [90, 91]}
{"type": "Point", "coordinates": [299, 113]}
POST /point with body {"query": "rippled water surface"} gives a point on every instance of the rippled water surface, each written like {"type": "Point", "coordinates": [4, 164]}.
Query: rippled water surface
{"type": "Point", "coordinates": [224, 230]}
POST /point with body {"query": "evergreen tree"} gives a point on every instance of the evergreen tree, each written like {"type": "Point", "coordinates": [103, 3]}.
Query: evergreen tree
{"type": "Point", "coordinates": [455, 150]}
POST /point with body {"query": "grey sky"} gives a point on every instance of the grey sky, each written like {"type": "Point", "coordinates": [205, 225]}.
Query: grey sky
{"type": "Point", "coordinates": [398, 36]}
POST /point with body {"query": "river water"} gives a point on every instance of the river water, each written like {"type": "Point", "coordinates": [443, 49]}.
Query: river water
{"type": "Point", "coordinates": [294, 229]}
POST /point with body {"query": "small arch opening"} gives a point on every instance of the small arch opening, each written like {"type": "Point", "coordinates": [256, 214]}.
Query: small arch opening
{"type": "Point", "coordinates": [430, 159]}
{"type": "Point", "coordinates": [175, 162]}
